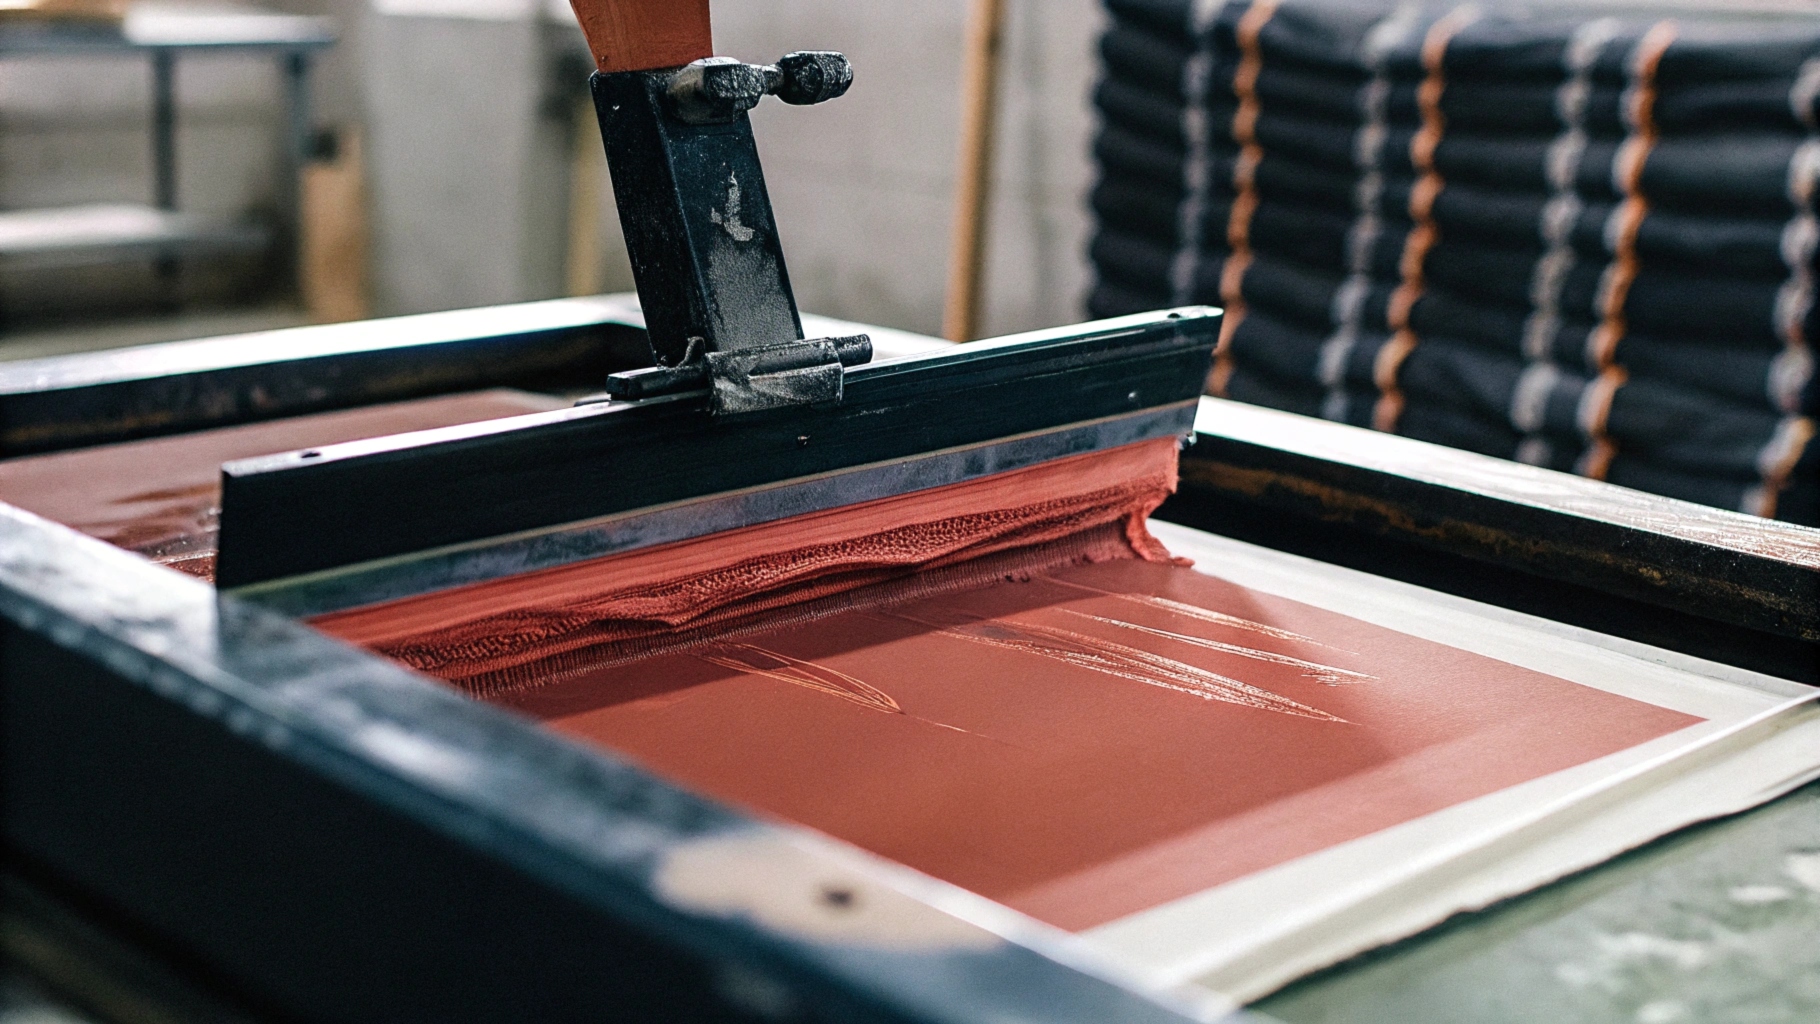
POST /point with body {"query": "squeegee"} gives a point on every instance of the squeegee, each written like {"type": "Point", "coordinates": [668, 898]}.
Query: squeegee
{"type": "Point", "coordinates": [748, 471]}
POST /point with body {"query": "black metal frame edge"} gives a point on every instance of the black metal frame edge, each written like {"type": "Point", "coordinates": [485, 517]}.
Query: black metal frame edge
{"type": "Point", "coordinates": [54, 937]}
{"type": "Point", "coordinates": [333, 837]}
{"type": "Point", "coordinates": [303, 512]}
{"type": "Point", "coordinates": [1715, 584]}
{"type": "Point", "coordinates": [64, 402]}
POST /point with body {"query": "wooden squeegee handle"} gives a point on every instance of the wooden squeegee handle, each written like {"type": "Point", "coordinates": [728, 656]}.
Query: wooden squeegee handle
{"type": "Point", "coordinates": [643, 35]}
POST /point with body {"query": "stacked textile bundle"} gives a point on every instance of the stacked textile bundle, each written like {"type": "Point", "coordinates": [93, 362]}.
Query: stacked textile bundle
{"type": "Point", "coordinates": [1586, 242]}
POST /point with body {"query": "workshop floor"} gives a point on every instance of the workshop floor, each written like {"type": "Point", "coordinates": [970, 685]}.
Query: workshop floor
{"type": "Point", "coordinates": [1713, 925]}
{"type": "Point", "coordinates": [23, 1002]}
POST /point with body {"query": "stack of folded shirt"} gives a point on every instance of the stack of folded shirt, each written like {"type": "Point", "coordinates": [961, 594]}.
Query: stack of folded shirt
{"type": "Point", "coordinates": [1586, 242]}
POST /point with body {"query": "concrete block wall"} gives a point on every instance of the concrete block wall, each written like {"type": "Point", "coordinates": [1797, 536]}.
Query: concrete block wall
{"type": "Point", "coordinates": [468, 172]}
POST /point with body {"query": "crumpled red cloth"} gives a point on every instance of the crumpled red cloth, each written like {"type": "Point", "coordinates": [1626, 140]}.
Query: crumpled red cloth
{"type": "Point", "coordinates": [507, 633]}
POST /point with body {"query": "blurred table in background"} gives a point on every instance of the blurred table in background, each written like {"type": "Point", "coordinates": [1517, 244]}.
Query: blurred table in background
{"type": "Point", "coordinates": [113, 232]}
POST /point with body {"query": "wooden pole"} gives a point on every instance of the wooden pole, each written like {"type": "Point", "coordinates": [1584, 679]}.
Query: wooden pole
{"type": "Point", "coordinates": [332, 235]}
{"type": "Point", "coordinates": [587, 176]}
{"type": "Point", "coordinates": [979, 111]}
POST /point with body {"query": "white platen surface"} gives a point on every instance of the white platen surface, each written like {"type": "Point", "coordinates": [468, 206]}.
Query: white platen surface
{"type": "Point", "coordinates": [1251, 936]}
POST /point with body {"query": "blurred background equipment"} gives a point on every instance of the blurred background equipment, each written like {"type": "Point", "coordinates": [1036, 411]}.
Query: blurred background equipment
{"type": "Point", "coordinates": [67, 254]}
{"type": "Point", "coordinates": [1580, 239]}
{"type": "Point", "coordinates": [69, 12]}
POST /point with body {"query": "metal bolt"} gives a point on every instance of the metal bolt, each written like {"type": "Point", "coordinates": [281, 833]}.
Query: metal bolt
{"type": "Point", "coordinates": [812, 76]}
{"type": "Point", "coordinates": [719, 89]}
{"type": "Point", "coordinates": [716, 89]}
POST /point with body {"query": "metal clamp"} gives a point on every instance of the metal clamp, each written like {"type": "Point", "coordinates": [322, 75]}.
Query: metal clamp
{"type": "Point", "coordinates": [752, 379]}
{"type": "Point", "coordinates": [716, 90]}
{"type": "Point", "coordinates": [699, 227]}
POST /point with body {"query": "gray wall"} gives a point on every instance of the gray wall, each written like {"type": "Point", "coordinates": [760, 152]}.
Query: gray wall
{"type": "Point", "coordinates": [468, 172]}
{"type": "Point", "coordinates": [864, 186]}
{"type": "Point", "coordinates": [76, 130]}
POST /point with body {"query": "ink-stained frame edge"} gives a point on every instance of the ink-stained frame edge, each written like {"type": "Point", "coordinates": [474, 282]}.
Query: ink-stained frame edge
{"type": "Point", "coordinates": [575, 821]}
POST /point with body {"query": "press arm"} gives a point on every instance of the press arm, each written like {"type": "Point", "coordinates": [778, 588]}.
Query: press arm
{"type": "Point", "coordinates": [695, 211]}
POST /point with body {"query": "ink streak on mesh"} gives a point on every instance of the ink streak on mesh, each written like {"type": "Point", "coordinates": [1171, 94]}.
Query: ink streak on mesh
{"type": "Point", "coordinates": [1065, 646]}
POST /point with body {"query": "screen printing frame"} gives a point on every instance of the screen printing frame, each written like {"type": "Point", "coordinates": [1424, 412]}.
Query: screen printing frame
{"type": "Point", "coordinates": [286, 817]}
{"type": "Point", "coordinates": [1713, 583]}
{"type": "Point", "coordinates": [56, 403]}
{"type": "Point", "coordinates": [278, 818]}
{"type": "Point", "coordinates": [61, 402]}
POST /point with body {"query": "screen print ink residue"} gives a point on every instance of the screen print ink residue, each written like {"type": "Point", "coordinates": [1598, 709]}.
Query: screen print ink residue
{"type": "Point", "coordinates": [526, 630]}
{"type": "Point", "coordinates": [1098, 741]}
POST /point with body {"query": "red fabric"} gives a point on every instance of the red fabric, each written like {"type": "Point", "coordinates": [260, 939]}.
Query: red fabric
{"type": "Point", "coordinates": [1094, 741]}
{"type": "Point", "coordinates": [503, 633]}
{"type": "Point", "coordinates": [1107, 734]}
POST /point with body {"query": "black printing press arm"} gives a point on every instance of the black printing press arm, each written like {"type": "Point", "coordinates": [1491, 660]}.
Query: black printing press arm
{"type": "Point", "coordinates": [697, 217]}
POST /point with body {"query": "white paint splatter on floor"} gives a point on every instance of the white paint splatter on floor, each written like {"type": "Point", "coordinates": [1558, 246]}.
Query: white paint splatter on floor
{"type": "Point", "coordinates": [1759, 895]}
{"type": "Point", "coordinates": [1662, 1011]}
{"type": "Point", "coordinates": [1804, 868]}
{"type": "Point", "coordinates": [1634, 946]}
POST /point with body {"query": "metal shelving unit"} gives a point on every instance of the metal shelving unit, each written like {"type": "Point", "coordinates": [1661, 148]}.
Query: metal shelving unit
{"type": "Point", "coordinates": [105, 232]}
